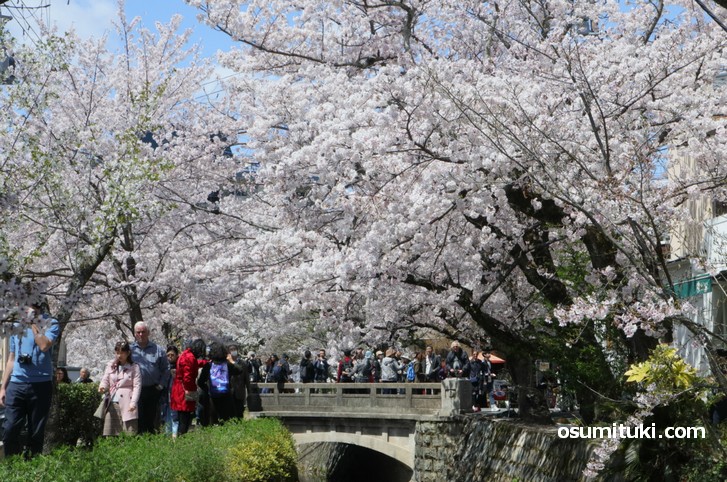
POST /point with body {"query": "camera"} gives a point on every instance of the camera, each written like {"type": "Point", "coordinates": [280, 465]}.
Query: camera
{"type": "Point", "coordinates": [25, 358]}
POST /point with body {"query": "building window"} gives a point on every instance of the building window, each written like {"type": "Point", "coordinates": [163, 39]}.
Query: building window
{"type": "Point", "coordinates": [720, 208]}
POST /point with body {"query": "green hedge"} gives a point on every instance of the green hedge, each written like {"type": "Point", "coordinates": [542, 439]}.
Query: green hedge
{"type": "Point", "coordinates": [76, 404]}
{"type": "Point", "coordinates": [259, 450]}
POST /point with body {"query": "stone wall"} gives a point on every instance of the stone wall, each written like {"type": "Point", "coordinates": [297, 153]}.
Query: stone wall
{"type": "Point", "coordinates": [480, 449]}
{"type": "Point", "coordinates": [437, 449]}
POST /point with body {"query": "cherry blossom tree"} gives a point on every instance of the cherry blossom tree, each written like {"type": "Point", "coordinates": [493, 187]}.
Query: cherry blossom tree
{"type": "Point", "coordinates": [105, 155]}
{"type": "Point", "coordinates": [477, 169]}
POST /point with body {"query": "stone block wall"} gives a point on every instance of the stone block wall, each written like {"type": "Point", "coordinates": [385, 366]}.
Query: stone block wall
{"type": "Point", "coordinates": [437, 448]}
{"type": "Point", "coordinates": [479, 449]}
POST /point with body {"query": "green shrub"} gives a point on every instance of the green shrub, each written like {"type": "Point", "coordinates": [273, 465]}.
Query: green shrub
{"type": "Point", "coordinates": [76, 404]}
{"type": "Point", "coordinates": [263, 459]}
{"type": "Point", "coordinates": [212, 453]}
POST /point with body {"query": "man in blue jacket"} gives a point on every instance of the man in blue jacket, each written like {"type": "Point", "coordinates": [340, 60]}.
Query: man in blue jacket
{"type": "Point", "coordinates": [152, 360]}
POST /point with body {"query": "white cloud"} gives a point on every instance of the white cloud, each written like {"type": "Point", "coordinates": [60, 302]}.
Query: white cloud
{"type": "Point", "coordinates": [88, 18]}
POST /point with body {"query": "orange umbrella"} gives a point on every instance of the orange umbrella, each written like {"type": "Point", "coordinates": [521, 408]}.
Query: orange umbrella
{"type": "Point", "coordinates": [496, 359]}
{"type": "Point", "coordinates": [493, 358]}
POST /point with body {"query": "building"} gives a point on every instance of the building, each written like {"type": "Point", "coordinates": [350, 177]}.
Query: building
{"type": "Point", "coordinates": [697, 255]}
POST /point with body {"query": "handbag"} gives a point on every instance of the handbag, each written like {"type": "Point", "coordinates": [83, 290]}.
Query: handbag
{"type": "Point", "coordinates": [102, 408]}
{"type": "Point", "coordinates": [191, 396]}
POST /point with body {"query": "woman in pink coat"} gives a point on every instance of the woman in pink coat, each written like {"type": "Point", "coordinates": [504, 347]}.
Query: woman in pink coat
{"type": "Point", "coordinates": [122, 382]}
{"type": "Point", "coordinates": [185, 382]}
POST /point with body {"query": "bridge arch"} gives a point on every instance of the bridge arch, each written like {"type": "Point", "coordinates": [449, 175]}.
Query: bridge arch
{"type": "Point", "coordinates": [377, 444]}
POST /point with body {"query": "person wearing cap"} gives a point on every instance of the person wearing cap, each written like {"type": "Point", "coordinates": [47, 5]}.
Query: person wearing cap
{"type": "Point", "coordinates": [404, 359]}
{"type": "Point", "coordinates": [457, 362]}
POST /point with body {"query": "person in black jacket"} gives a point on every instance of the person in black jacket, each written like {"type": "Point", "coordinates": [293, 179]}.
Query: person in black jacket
{"type": "Point", "coordinates": [321, 367]}
{"type": "Point", "coordinates": [476, 378]}
{"type": "Point", "coordinates": [216, 379]}
{"type": "Point", "coordinates": [253, 367]}
{"type": "Point", "coordinates": [240, 382]}
{"type": "Point", "coordinates": [432, 366]}
{"type": "Point", "coordinates": [307, 368]}
{"type": "Point", "coordinates": [458, 365]}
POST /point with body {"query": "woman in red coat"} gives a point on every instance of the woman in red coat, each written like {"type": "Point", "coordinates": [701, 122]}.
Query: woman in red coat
{"type": "Point", "coordinates": [185, 382]}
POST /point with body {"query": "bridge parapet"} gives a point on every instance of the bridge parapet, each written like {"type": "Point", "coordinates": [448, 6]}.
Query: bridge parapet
{"type": "Point", "coordinates": [443, 399]}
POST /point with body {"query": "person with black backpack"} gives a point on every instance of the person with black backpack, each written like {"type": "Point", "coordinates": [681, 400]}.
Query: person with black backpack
{"type": "Point", "coordinates": [216, 379]}
{"type": "Point", "coordinates": [307, 368]}
{"type": "Point", "coordinates": [281, 372]}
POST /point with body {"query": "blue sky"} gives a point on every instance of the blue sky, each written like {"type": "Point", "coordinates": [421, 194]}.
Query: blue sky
{"type": "Point", "coordinates": [94, 17]}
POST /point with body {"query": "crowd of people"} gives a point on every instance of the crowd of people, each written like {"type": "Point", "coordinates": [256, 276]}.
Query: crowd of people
{"type": "Point", "coordinates": [152, 389]}
{"type": "Point", "coordinates": [147, 388]}
{"type": "Point", "coordinates": [362, 365]}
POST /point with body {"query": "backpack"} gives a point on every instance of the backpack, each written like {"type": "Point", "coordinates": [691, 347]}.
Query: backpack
{"type": "Point", "coordinates": [368, 368]}
{"type": "Point", "coordinates": [307, 370]}
{"type": "Point", "coordinates": [279, 372]}
{"type": "Point", "coordinates": [253, 370]}
{"type": "Point", "coordinates": [410, 374]}
{"type": "Point", "coordinates": [219, 379]}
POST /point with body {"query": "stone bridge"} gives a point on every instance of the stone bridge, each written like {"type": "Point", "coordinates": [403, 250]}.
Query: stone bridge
{"type": "Point", "coordinates": [427, 428]}
{"type": "Point", "coordinates": [378, 416]}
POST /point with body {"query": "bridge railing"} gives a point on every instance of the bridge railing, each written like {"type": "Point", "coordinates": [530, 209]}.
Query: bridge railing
{"type": "Point", "coordinates": [391, 398]}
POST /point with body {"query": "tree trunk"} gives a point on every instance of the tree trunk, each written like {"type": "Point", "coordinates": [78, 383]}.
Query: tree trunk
{"type": "Point", "coordinates": [531, 401]}
{"type": "Point", "coordinates": [78, 282]}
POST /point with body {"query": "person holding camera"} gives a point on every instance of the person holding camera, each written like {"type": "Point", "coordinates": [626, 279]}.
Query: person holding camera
{"type": "Point", "coordinates": [28, 381]}
{"type": "Point", "coordinates": [253, 367]}
{"type": "Point", "coordinates": [321, 367]}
